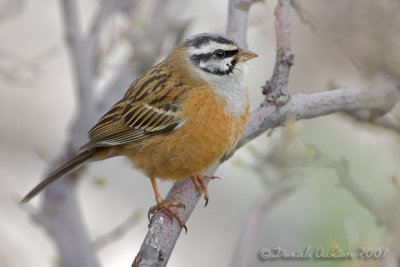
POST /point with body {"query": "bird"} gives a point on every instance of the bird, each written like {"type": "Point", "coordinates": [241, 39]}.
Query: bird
{"type": "Point", "coordinates": [176, 120]}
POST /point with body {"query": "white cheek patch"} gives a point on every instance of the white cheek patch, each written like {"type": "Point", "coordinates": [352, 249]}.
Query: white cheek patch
{"type": "Point", "coordinates": [213, 64]}
{"type": "Point", "coordinates": [226, 61]}
{"type": "Point", "coordinates": [224, 64]}
{"type": "Point", "coordinates": [202, 65]}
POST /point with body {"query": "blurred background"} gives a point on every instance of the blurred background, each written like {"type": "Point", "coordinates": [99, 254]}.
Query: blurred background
{"type": "Point", "coordinates": [328, 182]}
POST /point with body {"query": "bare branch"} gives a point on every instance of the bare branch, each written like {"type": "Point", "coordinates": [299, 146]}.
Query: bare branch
{"type": "Point", "coordinates": [385, 211]}
{"type": "Point", "coordinates": [11, 8]}
{"type": "Point", "coordinates": [342, 170]}
{"type": "Point", "coordinates": [276, 89]}
{"type": "Point", "coordinates": [389, 120]}
{"type": "Point", "coordinates": [104, 10]}
{"type": "Point", "coordinates": [299, 107]}
{"type": "Point", "coordinates": [60, 214]}
{"type": "Point", "coordinates": [185, 192]}
{"type": "Point", "coordinates": [303, 106]}
{"type": "Point", "coordinates": [182, 192]}
{"type": "Point", "coordinates": [264, 203]}
{"type": "Point", "coordinates": [119, 231]}
{"type": "Point", "coordinates": [238, 12]}
{"type": "Point", "coordinates": [61, 217]}
{"type": "Point", "coordinates": [307, 18]}
{"type": "Point", "coordinates": [83, 59]}
{"type": "Point", "coordinates": [151, 254]}
{"type": "Point", "coordinates": [147, 48]}
{"type": "Point", "coordinates": [17, 70]}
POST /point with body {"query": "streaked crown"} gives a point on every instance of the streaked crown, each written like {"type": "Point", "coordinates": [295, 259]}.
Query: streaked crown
{"type": "Point", "coordinates": [213, 53]}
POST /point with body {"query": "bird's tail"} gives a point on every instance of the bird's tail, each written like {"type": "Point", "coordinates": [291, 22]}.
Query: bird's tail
{"type": "Point", "coordinates": [65, 169]}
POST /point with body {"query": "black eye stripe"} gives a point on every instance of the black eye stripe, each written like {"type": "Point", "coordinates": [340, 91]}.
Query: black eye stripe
{"type": "Point", "coordinates": [207, 56]}
{"type": "Point", "coordinates": [231, 53]}
{"type": "Point", "coordinates": [201, 57]}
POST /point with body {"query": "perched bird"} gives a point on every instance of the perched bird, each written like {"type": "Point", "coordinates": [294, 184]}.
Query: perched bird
{"type": "Point", "coordinates": [177, 119]}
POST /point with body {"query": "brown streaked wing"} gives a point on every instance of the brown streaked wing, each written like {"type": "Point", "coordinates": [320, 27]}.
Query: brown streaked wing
{"type": "Point", "coordinates": [149, 118]}
{"type": "Point", "coordinates": [132, 121]}
{"type": "Point", "coordinates": [155, 78]}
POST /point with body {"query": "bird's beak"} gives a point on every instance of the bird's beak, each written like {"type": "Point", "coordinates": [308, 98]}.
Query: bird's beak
{"type": "Point", "coordinates": [245, 55]}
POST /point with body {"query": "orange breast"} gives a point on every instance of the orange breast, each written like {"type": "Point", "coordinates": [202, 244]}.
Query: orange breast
{"type": "Point", "coordinates": [206, 135]}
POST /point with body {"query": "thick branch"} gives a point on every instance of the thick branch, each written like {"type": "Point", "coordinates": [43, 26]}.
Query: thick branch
{"type": "Point", "coordinates": [303, 106]}
{"type": "Point", "coordinates": [168, 230]}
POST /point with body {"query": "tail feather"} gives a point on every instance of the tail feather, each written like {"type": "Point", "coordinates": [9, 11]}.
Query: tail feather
{"type": "Point", "coordinates": [65, 169]}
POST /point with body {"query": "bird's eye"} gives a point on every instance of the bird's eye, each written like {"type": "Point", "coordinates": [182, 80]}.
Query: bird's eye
{"type": "Point", "coordinates": [219, 53]}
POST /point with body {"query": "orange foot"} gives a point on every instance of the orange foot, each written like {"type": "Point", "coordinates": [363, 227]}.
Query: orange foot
{"type": "Point", "coordinates": [165, 206]}
{"type": "Point", "coordinates": [199, 182]}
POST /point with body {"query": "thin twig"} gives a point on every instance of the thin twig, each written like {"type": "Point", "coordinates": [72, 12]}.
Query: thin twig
{"type": "Point", "coordinates": [308, 19]}
{"type": "Point", "coordinates": [263, 203]}
{"type": "Point", "coordinates": [147, 47]}
{"type": "Point", "coordinates": [118, 231]}
{"type": "Point", "coordinates": [390, 120]}
{"type": "Point", "coordinates": [385, 212]}
{"type": "Point", "coordinates": [105, 8]}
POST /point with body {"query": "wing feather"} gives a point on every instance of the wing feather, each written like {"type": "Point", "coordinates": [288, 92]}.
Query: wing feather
{"type": "Point", "coordinates": [133, 120]}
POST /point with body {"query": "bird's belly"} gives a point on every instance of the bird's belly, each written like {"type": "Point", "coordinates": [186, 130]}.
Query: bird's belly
{"type": "Point", "coordinates": [205, 136]}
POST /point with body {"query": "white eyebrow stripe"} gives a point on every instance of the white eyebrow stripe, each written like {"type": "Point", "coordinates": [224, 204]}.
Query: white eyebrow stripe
{"type": "Point", "coordinates": [210, 47]}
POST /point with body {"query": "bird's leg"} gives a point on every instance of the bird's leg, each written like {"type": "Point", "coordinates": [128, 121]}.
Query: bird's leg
{"type": "Point", "coordinates": [199, 182]}
{"type": "Point", "coordinates": [165, 206]}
